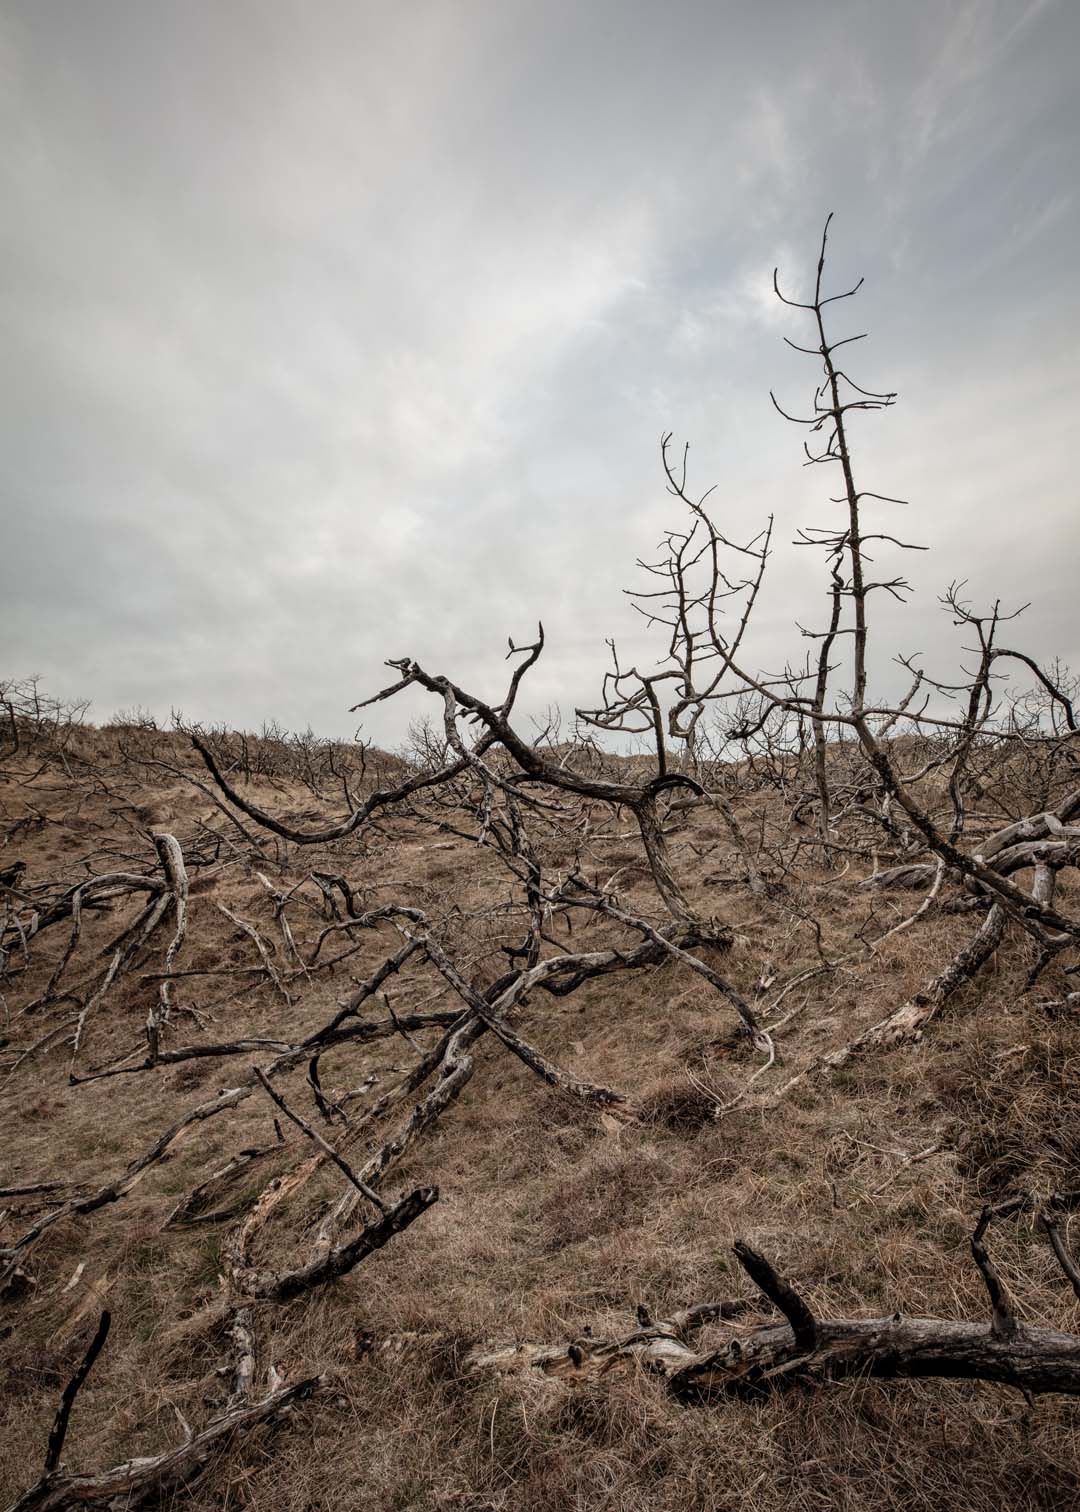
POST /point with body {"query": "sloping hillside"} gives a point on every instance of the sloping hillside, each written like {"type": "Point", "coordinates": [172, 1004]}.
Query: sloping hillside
{"type": "Point", "coordinates": [296, 1331]}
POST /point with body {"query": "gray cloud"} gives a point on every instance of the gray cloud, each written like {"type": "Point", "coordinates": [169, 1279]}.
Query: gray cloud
{"type": "Point", "coordinates": [339, 332]}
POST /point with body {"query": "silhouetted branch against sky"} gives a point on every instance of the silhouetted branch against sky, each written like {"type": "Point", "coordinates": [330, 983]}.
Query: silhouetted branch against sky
{"type": "Point", "coordinates": [342, 332]}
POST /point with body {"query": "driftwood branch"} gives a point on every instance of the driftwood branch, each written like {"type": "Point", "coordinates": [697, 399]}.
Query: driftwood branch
{"type": "Point", "coordinates": [71, 1390]}
{"type": "Point", "coordinates": [172, 862]}
{"type": "Point", "coordinates": [129, 1483]}
{"type": "Point", "coordinates": [1003, 1325]}
{"type": "Point", "coordinates": [281, 1286]}
{"type": "Point", "coordinates": [197, 1207]}
{"type": "Point", "coordinates": [804, 1349]}
{"type": "Point", "coordinates": [780, 1292]}
{"type": "Point", "coordinates": [317, 1139]}
{"type": "Point", "coordinates": [1050, 1222]}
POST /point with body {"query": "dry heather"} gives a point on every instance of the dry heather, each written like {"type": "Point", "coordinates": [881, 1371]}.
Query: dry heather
{"type": "Point", "coordinates": [555, 1216]}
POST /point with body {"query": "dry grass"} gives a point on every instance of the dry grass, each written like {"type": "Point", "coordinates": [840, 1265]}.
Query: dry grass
{"type": "Point", "coordinates": [553, 1217]}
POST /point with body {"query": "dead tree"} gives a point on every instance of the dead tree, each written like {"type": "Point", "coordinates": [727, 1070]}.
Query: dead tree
{"type": "Point", "coordinates": [929, 799]}
{"type": "Point", "coordinates": [504, 761]}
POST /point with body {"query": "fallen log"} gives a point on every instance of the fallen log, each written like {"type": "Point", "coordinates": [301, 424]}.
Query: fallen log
{"type": "Point", "coordinates": [805, 1350]}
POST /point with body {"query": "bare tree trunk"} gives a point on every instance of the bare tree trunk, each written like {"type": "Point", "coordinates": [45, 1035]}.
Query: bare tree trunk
{"type": "Point", "coordinates": [656, 850]}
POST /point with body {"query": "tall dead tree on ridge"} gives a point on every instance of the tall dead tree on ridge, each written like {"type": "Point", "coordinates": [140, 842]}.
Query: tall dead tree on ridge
{"type": "Point", "coordinates": [693, 591]}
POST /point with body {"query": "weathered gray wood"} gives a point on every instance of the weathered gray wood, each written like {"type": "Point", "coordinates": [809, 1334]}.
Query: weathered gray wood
{"type": "Point", "coordinates": [127, 1484]}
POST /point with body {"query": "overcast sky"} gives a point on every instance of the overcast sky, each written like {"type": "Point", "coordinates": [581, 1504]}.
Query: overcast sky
{"type": "Point", "coordinates": [334, 332]}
